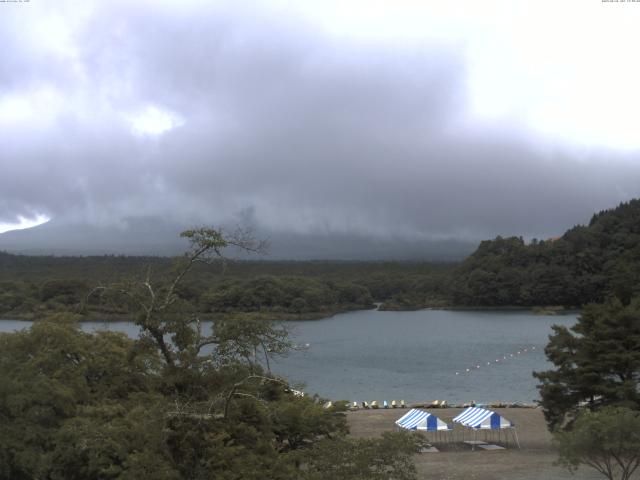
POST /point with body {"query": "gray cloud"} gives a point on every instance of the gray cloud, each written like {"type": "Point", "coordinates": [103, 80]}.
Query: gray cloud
{"type": "Point", "coordinates": [311, 132]}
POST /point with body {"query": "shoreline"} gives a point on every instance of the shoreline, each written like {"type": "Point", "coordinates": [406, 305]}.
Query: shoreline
{"type": "Point", "coordinates": [266, 316]}
{"type": "Point", "coordinates": [305, 317]}
{"type": "Point", "coordinates": [445, 405]}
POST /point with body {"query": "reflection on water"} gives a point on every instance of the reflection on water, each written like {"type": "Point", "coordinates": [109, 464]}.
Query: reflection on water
{"type": "Point", "coordinates": [369, 355]}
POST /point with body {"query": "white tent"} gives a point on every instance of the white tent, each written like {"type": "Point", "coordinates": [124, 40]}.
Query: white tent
{"type": "Point", "coordinates": [481, 419]}
{"type": "Point", "coordinates": [416, 419]}
{"type": "Point", "coordinates": [425, 422]}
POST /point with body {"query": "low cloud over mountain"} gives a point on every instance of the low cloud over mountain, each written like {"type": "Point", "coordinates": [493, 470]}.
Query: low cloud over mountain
{"type": "Point", "coordinates": [189, 113]}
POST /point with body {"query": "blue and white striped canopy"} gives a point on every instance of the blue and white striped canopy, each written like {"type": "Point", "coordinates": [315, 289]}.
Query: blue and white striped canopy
{"type": "Point", "coordinates": [476, 417]}
{"type": "Point", "coordinates": [416, 419]}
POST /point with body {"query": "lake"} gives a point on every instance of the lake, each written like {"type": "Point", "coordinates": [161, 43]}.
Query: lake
{"type": "Point", "coordinates": [416, 356]}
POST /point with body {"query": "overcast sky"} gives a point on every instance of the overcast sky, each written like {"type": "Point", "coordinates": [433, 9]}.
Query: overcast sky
{"type": "Point", "coordinates": [463, 119]}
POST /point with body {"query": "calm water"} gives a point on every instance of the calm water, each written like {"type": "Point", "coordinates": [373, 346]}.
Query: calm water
{"type": "Point", "coordinates": [371, 355]}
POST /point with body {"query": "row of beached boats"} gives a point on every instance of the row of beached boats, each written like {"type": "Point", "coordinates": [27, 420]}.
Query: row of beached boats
{"type": "Point", "coordinates": [394, 404]}
{"type": "Point", "coordinates": [435, 404]}
{"type": "Point", "coordinates": [374, 404]}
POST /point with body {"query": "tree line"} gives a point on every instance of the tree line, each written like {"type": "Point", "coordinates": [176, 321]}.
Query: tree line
{"type": "Point", "coordinates": [587, 264]}
{"type": "Point", "coordinates": [31, 287]}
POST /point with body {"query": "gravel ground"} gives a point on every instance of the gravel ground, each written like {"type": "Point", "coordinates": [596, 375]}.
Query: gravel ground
{"type": "Point", "coordinates": [534, 461]}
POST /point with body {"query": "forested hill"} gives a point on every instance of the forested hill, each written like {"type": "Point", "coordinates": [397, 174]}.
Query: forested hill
{"type": "Point", "coordinates": [586, 264]}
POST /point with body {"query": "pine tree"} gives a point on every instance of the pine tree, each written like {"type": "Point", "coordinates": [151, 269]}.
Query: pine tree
{"type": "Point", "coordinates": [597, 362]}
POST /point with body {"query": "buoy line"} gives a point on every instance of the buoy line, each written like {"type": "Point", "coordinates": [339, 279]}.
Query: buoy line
{"type": "Point", "coordinates": [501, 359]}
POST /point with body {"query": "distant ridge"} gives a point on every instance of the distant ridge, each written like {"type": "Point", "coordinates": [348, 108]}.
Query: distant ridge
{"type": "Point", "coordinates": [133, 237]}
{"type": "Point", "coordinates": [149, 236]}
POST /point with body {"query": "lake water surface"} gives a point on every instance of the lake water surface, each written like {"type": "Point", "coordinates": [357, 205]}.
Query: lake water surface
{"type": "Point", "coordinates": [372, 355]}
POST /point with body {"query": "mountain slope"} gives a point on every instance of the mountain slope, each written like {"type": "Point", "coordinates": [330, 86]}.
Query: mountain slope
{"type": "Point", "coordinates": [157, 237]}
{"type": "Point", "coordinates": [587, 264]}
{"type": "Point", "coordinates": [133, 237]}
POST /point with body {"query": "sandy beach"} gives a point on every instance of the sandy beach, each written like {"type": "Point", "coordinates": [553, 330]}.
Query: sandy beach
{"type": "Point", "coordinates": [456, 461]}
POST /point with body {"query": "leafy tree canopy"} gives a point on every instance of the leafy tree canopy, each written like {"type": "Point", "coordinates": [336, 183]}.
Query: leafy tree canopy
{"type": "Point", "coordinates": [597, 362]}
{"type": "Point", "coordinates": [607, 440]}
{"type": "Point", "coordinates": [587, 264]}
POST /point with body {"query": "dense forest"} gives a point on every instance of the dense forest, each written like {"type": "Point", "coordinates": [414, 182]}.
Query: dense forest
{"type": "Point", "coordinates": [587, 264]}
{"type": "Point", "coordinates": [35, 286]}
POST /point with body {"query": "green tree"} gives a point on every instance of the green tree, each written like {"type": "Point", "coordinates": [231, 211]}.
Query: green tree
{"type": "Point", "coordinates": [597, 362]}
{"type": "Point", "coordinates": [299, 421]}
{"type": "Point", "coordinates": [607, 440]}
{"type": "Point", "coordinates": [364, 459]}
{"type": "Point", "coordinates": [53, 375]}
{"type": "Point", "coordinates": [174, 326]}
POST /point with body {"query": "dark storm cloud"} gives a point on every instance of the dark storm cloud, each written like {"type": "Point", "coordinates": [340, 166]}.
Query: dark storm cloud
{"type": "Point", "coordinates": [308, 131]}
